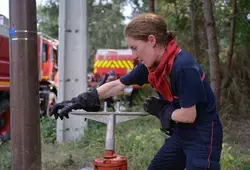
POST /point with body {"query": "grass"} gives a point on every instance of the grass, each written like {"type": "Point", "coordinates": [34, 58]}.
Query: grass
{"type": "Point", "coordinates": [137, 139]}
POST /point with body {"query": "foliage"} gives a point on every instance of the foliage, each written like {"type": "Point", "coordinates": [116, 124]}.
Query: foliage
{"type": "Point", "coordinates": [5, 156]}
{"type": "Point", "coordinates": [243, 25]}
{"type": "Point", "coordinates": [138, 6]}
{"type": "Point", "coordinates": [234, 160]}
{"type": "Point", "coordinates": [48, 129]}
{"type": "Point", "coordinates": [105, 24]}
{"type": "Point", "coordinates": [235, 88]}
{"type": "Point", "coordinates": [138, 140]}
{"type": "Point", "coordinates": [48, 18]}
{"type": "Point", "coordinates": [108, 31]}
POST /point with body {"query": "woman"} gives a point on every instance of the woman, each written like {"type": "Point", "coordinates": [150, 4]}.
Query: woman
{"type": "Point", "coordinates": [196, 140]}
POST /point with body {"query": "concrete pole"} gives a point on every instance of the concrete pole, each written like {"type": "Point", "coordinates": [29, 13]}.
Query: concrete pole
{"type": "Point", "coordinates": [73, 56]}
{"type": "Point", "coordinates": [24, 86]}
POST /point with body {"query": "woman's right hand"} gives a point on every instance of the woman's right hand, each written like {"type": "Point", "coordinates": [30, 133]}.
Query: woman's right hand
{"type": "Point", "coordinates": [162, 110]}
{"type": "Point", "coordinates": [88, 101]}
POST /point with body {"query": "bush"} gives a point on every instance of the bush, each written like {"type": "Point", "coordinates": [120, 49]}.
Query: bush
{"type": "Point", "coordinates": [5, 156]}
{"type": "Point", "coordinates": [137, 139]}
{"type": "Point", "coordinates": [48, 129]}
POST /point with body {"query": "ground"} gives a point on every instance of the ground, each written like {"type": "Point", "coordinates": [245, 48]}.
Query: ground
{"type": "Point", "coordinates": [138, 140]}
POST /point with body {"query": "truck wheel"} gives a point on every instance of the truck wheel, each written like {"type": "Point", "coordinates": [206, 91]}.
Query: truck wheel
{"type": "Point", "coordinates": [4, 121]}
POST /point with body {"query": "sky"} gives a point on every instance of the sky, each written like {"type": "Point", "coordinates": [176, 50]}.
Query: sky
{"type": "Point", "coordinates": [4, 8]}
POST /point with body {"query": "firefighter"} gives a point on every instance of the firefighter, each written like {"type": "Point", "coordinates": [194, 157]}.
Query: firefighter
{"type": "Point", "coordinates": [187, 107]}
{"type": "Point", "coordinates": [110, 76]}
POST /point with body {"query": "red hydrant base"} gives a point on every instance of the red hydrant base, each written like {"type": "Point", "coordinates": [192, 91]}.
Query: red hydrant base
{"type": "Point", "coordinates": [117, 163]}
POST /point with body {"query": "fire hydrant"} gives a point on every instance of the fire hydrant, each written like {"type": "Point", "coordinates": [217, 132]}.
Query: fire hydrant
{"type": "Point", "coordinates": [110, 160]}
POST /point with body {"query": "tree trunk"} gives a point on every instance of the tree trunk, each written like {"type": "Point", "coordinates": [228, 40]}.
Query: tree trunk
{"type": "Point", "coordinates": [232, 36]}
{"type": "Point", "coordinates": [213, 50]}
{"type": "Point", "coordinates": [152, 6]}
{"type": "Point", "coordinates": [194, 29]}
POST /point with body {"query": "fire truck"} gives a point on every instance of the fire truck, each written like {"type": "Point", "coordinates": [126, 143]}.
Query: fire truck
{"type": "Point", "coordinates": [47, 58]}
{"type": "Point", "coordinates": [111, 64]}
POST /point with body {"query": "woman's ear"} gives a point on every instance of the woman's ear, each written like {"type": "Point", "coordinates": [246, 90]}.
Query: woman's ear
{"type": "Point", "coordinates": [152, 40]}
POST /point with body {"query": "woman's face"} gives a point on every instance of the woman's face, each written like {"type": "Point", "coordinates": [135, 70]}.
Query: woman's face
{"type": "Point", "coordinates": [144, 51]}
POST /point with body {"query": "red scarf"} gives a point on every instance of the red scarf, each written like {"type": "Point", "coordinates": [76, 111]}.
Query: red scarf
{"type": "Point", "coordinates": [158, 77]}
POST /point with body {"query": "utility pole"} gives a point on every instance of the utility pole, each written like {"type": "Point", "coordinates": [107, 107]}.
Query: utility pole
{"type": "Point", "coordinates": [72, 62]}
{"type": "Point", "coordinates": [24, 86]}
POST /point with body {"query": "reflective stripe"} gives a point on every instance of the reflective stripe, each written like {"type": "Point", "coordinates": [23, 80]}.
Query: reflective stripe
{"type": "Point", "coordinates": [128, 64]}
{"type": "Point", "coordinates": [4, 83]}
{"type": "Point", "coordinates": [203, 76]}
{"type": "Point", "coordinates": [211, 146]}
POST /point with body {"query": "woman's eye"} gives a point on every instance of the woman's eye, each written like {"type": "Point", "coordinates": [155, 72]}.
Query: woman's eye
{"type": "Point", "coordinates": [133, 48]}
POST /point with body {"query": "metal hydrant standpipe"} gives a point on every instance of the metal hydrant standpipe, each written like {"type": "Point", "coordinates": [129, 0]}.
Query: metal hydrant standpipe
{"type": "Point", "coordinates": [110, 160]}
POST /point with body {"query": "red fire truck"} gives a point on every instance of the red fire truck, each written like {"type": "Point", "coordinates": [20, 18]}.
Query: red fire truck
{"type": "Point", "coordinates": [115, 62]}
{"type": "Point", "coordinates": [47, 58]}
{"type": "Point", "coordinates": [110, 64]}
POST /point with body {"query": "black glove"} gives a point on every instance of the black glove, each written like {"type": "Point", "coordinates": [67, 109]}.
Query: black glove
{"type": "Point", "coordinates": [154, 105]}
{"type": "Point", "coordinates": [162, 110]}
{"type": "Point", "coordinates": [88, 101]}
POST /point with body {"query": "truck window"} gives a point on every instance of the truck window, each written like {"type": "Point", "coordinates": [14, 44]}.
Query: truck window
{"type": "Point", "coordinates": [54, 57]}
{"type": "Point", "coordinates": [45, 53]}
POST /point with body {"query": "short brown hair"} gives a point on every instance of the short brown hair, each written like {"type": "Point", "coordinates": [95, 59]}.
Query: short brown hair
{"type": "Point", "coordinates": [147, 24]}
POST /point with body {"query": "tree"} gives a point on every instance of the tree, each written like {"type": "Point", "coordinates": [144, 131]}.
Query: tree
{"type": "Point", "coordinates": [232, 36]}
{"type": "Point", "coordinates": [105, 23]}
{"type": "Point", "coordinates": [47, 16]}
{"type": "Point", "coordinates": [152, 6]}
{"type": "Point", "coordinates": [105, 26]}
{"type": "Point", "coordinates": [213, 50]}
{"type": "Point", "coordinates": [194, 17]}
{"type": "Point", "coordinates": [138, 6]}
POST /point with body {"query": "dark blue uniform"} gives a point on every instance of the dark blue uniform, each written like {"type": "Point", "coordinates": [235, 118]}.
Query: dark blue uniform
{"type": "Point", "coordinates": [196, 146]}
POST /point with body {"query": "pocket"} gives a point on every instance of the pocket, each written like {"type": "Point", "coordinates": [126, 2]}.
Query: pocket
{"type": "Point", "coordinates": [188, 135]}
{"type": "Point", "coordinates": [210, 132]}
{"type": "Point", "coordinates": [206, 135]}
{"type": "Point", "coordinates": [201, 164]}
